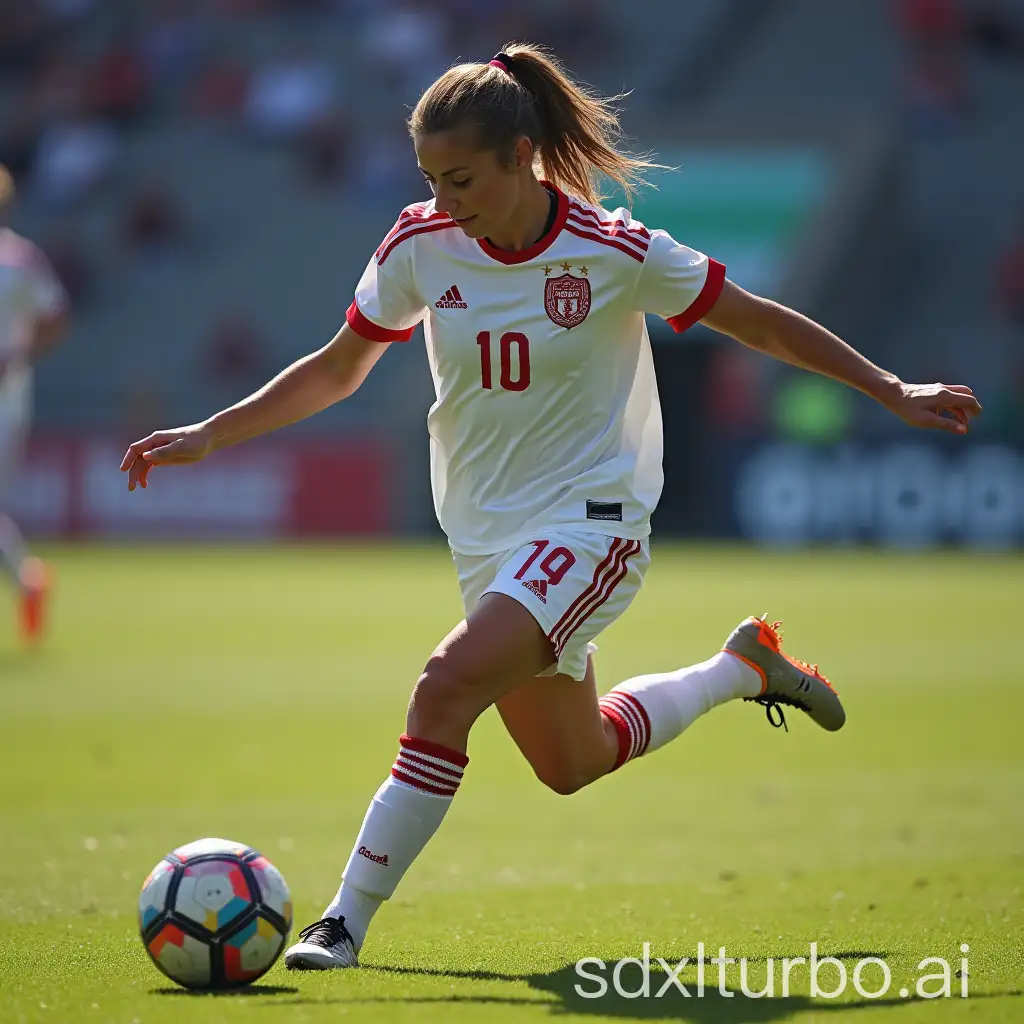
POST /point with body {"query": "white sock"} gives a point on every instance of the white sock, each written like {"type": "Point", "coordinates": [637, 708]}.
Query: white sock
{"type": "Point", "coordinates": [649, 711]}
{"type": "Point", "coordinates": [405, 812]}
{"type": "Point", "coordinates": [357, 908]}
{"type": "Point", "coordinates": [12, 547]}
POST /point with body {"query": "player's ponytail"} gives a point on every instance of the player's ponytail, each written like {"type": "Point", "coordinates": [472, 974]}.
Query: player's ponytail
{"type": "Point", "coordinates": [527, 92]}
{"type": "Point", "coordinates": [580, 130]}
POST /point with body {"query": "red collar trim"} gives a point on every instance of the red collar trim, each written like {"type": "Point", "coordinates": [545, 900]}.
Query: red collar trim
{"type": "Point", "coordinates": [509, 257]}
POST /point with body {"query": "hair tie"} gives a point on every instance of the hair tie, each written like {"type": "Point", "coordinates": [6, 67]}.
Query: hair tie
{"type": "Point", "coordinates": [501, 60]}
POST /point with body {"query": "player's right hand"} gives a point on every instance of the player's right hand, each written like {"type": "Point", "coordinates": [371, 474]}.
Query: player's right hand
{"type": "Point", "coordinates": [165, 448]}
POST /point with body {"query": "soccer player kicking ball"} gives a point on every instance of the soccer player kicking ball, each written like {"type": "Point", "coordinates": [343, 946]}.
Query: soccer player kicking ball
{"type": "Point", "coordinates": [33, 315]}
{"type": "Point", "coordinates": [545, 449]}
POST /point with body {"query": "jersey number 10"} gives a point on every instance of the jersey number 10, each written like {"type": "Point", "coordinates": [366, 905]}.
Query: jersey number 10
{"type": "Point", "coordinates": [522, 345]}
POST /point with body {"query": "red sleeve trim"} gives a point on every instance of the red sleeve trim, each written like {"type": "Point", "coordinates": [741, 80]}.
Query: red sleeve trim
{"type": "Point", "coordinates": [371, 331]}
{"type": "Point", "coordinates": [704, 303]}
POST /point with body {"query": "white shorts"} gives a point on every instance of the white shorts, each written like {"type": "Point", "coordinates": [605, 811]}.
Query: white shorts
{"type": "Point", "coordinates": [574, 585]}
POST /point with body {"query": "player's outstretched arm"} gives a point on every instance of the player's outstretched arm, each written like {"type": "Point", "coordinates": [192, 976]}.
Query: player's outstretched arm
{"type": "Point", "coordinates": [785, 334]}
{"type": "Point", "coordinates": [306, 387]}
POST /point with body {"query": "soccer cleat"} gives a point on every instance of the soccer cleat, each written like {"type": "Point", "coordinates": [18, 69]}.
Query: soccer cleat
{"type": "Point", "coordinates": [34, 579]}
{"type": "Point", "coordinates": [784, 680]}
{"type": "Point", "coordinates": [326, 945]}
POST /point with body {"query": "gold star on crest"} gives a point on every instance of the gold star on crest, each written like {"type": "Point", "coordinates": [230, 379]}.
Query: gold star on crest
{"type": "Point", "coordinates": [584, 271]}
{"type": "Point", "coordinates": [567, 267]}
{"type": "Point", "coordinates": [547, 270]}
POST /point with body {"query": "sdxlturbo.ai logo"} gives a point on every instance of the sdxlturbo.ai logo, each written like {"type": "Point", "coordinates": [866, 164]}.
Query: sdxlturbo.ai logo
{"type": "Point", "coordinates": [870, 976]}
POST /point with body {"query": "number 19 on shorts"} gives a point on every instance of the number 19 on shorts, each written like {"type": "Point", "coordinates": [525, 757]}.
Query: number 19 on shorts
{"type": "Point", "coordinates": [513, 360]}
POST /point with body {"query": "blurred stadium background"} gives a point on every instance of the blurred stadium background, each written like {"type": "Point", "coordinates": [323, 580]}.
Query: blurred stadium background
{"type": "Point", "coordinates": [210, 178]}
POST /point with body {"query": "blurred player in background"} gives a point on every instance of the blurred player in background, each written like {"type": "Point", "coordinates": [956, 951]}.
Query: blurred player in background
{"type": "Point", "coordinates": [33, 315]}
{"type": "Point", "coordinates": [546, 451]}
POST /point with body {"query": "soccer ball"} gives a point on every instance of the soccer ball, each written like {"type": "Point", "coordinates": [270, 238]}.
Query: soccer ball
{"type": "Point", "coordinates": [214, 914]}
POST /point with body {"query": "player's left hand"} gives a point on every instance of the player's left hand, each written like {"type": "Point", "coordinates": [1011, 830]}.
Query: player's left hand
{"type": "Point", "coordinates": [176, 447]}
{"type": "Point", "coordinates": [934, 406]}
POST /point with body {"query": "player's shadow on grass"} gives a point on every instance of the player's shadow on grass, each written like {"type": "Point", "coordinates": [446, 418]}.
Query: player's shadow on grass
{"type": "Point", "coordinates": [712, 1008]}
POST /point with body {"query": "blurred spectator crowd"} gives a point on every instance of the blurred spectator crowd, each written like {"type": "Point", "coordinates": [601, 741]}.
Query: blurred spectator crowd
{"type": "Point", "coordinates": [943, 35]}
{"type": "Point", "coordinates": [78, 75]}
{"type": "Point", "coordinates": [327, 84]}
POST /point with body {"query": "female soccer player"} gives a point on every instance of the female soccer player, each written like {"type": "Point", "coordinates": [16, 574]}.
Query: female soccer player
{"type": "Point", "coordinates": [33, 315]}
{"type": "Point", "coordinates": [545, 448]}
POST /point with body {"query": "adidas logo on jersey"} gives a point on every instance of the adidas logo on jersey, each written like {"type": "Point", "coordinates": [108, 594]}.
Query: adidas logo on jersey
{"type": "Point", "coordinates": [538, 587]}
{"type": "Point", "coordinates": [451, 300]}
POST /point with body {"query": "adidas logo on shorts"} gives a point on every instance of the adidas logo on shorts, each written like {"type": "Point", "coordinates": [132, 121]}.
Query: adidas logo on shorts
{"type": "Point", "coordinates": [538, 587]}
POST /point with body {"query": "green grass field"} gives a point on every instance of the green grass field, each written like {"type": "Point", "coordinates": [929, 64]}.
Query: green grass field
{"type": "Point", "coordinates": [257, 694]}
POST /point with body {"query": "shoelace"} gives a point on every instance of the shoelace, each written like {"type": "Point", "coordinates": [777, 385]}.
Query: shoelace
{"type": "Point", "coordinates": [327, 932]}
{"type": "Point", "coordinates": [773, 702]}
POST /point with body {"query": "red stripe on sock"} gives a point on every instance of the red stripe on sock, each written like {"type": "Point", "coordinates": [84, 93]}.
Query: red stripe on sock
{"type": "Point", "coordinates": [426, 787]}
{"type": "Point", "coordinates": [623, 732]}
{"type": "Point", "coordinates": [448, 772]}
{"type": "Point", "coordinates": [459, 760]}
{"type": "Point", "coordinates": [628, 712]}
{"type": "Point", "coordinates": [645, 735]}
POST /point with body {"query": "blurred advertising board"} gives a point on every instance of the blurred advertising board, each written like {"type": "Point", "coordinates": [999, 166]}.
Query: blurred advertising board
{"type": "Point", "coordinates": [915, 495]}
{"type": "Point", "coordinates": [72, 487]}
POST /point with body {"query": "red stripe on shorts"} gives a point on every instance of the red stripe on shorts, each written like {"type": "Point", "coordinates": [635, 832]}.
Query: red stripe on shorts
{"type": "Point", "coordinates": [595, 585]}
{"type": "Point", "coordinates": [612, 577]}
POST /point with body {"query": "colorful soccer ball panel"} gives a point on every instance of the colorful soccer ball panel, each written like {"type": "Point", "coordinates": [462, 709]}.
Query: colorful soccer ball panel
{"type": "Point", "coordinates": [273, 888]}
{"type": "Point", "coordinates": [207, 922]}
{"type": "Point", "coordinates": [250, 952]}
{"type": "Point", "coordinates": [213, 893]}
{"type": "Point", "coordinates": [181, 957]}
{"type": "Point", "coordinates": [153, 898]}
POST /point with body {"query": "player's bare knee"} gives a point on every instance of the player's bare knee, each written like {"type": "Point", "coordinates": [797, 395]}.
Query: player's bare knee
{"type": "Point", "coordinates": [564, 779]}
{"type": "Point", "coordinates": [442, 698]}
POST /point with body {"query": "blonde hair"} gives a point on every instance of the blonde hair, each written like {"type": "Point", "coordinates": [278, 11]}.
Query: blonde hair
{"type": "Point", "coordinates": [575, 132]}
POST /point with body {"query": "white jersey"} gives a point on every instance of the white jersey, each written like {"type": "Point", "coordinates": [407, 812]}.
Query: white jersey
{"type": "Point", "coordinates": [547, 411]}
{"type": "Point", "coordinates": [29, 291]}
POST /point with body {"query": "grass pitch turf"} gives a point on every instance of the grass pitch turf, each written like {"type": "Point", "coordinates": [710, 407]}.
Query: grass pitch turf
{"type": "Point", "coordinates": [257, 694]}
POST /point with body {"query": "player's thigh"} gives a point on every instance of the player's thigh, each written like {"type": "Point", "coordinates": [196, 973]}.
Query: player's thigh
{"type": "Point", "coordinates": [557, 725]}
{"type": "Point", "coordinates": [489, 653]}
{"type": "Point", "coordinates": [499, 640]}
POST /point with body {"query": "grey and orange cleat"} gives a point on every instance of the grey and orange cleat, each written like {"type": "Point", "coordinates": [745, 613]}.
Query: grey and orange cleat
{"type": "Point", "coordinates": [325, 945]}
{"type": "Point", "coordinates": [35, 579]}
{"type": "Point", "coordinates": [784, 680]}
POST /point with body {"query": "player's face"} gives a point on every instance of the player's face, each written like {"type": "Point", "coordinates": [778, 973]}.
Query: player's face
{"type": "Point", "coordinates": [471, 185]}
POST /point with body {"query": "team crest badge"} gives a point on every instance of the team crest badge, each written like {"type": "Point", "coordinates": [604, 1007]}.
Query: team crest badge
{"type": "Point", "coordinates": [567, 299]}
